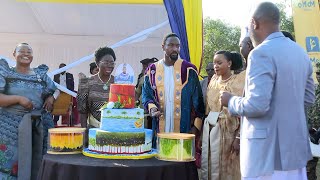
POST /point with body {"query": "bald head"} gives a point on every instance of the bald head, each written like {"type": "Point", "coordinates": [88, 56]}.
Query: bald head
{"type": "Point", "coordinates": [267, 12]}
{"type": "Point", "coordinates": [245, 47]}
{"type": "Point", "coordinates": [210, 70]}
{"type": "Point", "coordinates": [265, 21]}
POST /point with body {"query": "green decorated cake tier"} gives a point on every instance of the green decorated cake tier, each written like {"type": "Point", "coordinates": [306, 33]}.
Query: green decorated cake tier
{"type": "Point", "coordinates": [120, 138]}
{"type": "Point", "coordinates": [176, 147]}
{"type": "Point", "coordinates": [131, 141]}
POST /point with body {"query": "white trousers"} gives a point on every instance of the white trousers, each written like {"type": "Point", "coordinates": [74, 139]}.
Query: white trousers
{"type": "Point", "coordinates": [298, 174]}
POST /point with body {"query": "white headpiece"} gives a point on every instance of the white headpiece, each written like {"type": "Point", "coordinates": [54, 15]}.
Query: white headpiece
{"type": "Point", "coordinates": [244, 33]}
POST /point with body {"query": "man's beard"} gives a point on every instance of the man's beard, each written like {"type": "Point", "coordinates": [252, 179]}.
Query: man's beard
{"type": "Point", "coordinates": [174, 57]}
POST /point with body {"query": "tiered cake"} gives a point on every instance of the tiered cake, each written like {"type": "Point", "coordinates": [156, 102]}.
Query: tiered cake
{"type": "Point", "coordinates": [121, 130]}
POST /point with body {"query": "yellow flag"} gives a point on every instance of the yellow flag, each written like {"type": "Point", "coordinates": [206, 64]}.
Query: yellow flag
{"type": "Point", "coordinates": [306, 18]}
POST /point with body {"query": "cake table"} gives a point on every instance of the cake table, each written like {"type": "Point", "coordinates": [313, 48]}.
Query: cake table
{"type": "Point", "coordinates": [80, 167]}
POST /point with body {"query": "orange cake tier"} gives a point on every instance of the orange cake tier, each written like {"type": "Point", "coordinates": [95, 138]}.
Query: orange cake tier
{"type": "Point", "coordinates": [123, 93]}
{"type": "Point", "coordinates": [65, 140]}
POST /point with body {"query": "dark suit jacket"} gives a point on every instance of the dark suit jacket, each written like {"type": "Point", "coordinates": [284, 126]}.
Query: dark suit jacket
{"type": "Point", "coordinates": [69, 80]}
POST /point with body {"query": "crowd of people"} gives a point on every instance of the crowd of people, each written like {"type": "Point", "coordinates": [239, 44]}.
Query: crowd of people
{"type": "Point", "coordinates": [251, 115]}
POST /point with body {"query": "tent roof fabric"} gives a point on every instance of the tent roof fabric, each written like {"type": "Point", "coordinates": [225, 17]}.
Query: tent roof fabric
{"type": "Point", "coordinates": [61, 32]}
{"type": "Point", "coordinates": [78, 19]}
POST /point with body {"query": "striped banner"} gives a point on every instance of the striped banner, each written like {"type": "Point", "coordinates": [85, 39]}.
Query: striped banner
{"type": "Point", "coordinates": [185, 17]}
{"type": "Point", "coordinates": [194, 27]}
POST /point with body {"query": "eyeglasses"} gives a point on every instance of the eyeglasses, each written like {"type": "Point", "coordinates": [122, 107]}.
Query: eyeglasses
{"type": "Point", "coordinates": [24, 52]}
{"type": "Point", "coordinates": [317, 73]}
{"type": "Point", "coordinates": [107, 63]}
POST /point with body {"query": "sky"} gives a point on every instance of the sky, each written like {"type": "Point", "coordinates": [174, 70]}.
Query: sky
{"type": "Point", "coordinates": [236, 12]}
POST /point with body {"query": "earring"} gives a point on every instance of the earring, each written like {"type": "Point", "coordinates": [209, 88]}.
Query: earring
{"type": "Point", "coordinates": [229, 66]}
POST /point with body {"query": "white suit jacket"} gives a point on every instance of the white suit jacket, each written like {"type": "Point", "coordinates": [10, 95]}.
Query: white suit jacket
{"type": "Point", "coordinates": [279, 84]}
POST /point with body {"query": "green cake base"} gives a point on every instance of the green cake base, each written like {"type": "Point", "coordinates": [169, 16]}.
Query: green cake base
{"type": "Point", "coordinates": [180, 150]}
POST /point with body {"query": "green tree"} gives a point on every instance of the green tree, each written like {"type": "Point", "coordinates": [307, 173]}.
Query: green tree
{"type": "Point", "coordinates": [218, 35]}
{"type": "Point", "coordinates": [286, 23]}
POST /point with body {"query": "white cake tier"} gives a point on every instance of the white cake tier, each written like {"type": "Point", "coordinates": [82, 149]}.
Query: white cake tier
{"type": "Point", "coordinates": [121, 149]}
{"type": "Point", "coordinates": [122, 119]}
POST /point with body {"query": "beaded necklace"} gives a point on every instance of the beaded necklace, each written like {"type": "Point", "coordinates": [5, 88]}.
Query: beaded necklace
{"type": "Point", "coordinates": [105, 86]}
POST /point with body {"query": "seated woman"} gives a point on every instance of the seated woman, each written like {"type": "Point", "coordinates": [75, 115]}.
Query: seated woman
{"type": "Point", "coordinates": [93, 91]}
{"type": "Point", "coordinates": [26, 100]}
{"type": "Point", "coordinates": [223, 146]}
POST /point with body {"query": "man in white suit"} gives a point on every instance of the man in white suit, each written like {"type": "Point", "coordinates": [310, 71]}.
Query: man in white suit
{"type": "Point", "coordinates": [274, 141]}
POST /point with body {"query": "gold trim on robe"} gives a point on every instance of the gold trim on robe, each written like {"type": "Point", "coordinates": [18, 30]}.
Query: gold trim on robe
{"type": "Point", "coordinates": [177, 90]}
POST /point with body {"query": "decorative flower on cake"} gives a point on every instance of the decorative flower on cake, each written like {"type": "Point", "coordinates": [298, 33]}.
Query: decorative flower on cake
{"type": "Point", "coordinates": [113, 105]}
{"type": "Point", "coordinates": [118, 105]}
{"type": "Point", "coordinates": [110, 105]}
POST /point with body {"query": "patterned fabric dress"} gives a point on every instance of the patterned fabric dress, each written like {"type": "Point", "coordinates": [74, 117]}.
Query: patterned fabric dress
{"type": "Point", "coordinates": [226, 166]}
{"type": "Point", "coordinates": [35, 87]}
{"type": "Point", "coordinates": [91, 95]}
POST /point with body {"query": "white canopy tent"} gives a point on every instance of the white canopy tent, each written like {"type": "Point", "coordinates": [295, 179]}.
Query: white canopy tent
{"type": "Point", "coordinates": [67, 32]}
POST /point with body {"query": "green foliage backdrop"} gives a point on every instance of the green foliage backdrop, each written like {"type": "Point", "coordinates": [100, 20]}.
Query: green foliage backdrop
{"type": "Point", "coordinates": [219, 35]}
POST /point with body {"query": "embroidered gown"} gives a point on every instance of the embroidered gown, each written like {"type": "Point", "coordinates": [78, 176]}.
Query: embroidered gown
{"type": "Point", "coordinates": [187, 94]}
{"type": "Point", "coordinates": [37, 88]}
{"type": "Point", "coordinates": [226, 166]}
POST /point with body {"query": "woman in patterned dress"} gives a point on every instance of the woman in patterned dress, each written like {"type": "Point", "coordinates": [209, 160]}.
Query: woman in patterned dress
{"type": "Point", "coordinates": [93, 91]}
{"type": "Point", "coordinates": [26, 98]}
{"type": "Point", "coordinates": [224, 162]}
